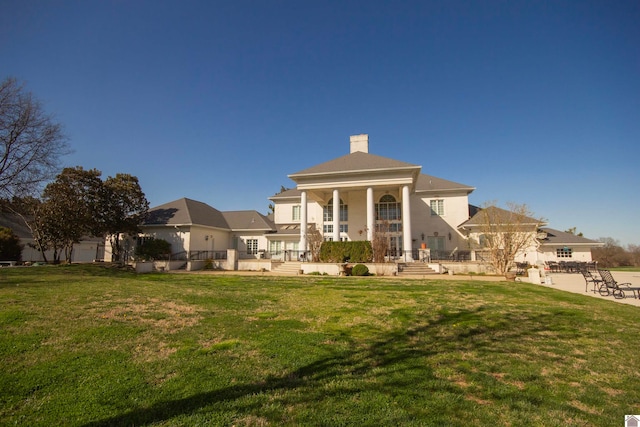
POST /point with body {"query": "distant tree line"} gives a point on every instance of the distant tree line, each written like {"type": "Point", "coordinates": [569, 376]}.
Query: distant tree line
{"type": "Point", "coordinates": [612, 254]}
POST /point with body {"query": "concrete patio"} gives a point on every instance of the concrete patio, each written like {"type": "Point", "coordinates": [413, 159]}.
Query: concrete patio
{"type": "Point", "coordinates": [574, 282]}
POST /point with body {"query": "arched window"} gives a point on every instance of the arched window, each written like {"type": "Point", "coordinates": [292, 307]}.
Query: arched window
{"type": "Point", "coordinates": [388, 209]}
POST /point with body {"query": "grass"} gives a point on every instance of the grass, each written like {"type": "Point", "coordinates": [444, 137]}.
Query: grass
{"type": "Point", "coordinates": [631, 269]}
{"type": "Point", "coordinates": [90, 346]}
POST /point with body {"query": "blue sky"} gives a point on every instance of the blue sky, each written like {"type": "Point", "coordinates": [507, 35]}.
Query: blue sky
{"type": "Point", "coordinates": [534, 102]}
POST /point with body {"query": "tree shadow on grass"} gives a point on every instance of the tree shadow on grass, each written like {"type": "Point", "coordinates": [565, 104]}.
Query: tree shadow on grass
{"type": "Point", "coordinates": [398, 352]}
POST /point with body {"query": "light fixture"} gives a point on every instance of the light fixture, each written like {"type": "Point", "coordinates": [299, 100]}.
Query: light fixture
{"type": "Point", "coordinates": [422, 235]}
{"type": "Point", "coordinates": [449, 235]}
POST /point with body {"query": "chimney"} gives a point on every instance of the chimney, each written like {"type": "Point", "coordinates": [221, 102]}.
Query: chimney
{"type": "Point", "coordinates": [359, 143]}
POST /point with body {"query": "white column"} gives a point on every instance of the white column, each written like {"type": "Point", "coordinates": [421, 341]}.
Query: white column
{"type": "Point", "coordinates": [406, 223]}
{"type": "Point", "coordinates": [303, 221]}
{"type": "Point", "coordinates": [336, 216]}
{"type": "Point", "coordinates": [371, 214]}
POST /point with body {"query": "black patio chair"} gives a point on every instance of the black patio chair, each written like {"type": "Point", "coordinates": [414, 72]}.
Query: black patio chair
{"type": "Point", "coordinates": [611, 287]}
{"type": "Point", "coordinates": [592, 280]}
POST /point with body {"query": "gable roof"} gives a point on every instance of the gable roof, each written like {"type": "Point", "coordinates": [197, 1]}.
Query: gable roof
{"type": "Point", "coordinates": [354, 162]}
{"type": "Point", "coordinates": [557, 237]}
{"type": "Point", "coordinates": [186, 212]}
{"type": "Point", "coordinates": [191, 212]}
{"type": "Point", "coordinates": [248, 220]}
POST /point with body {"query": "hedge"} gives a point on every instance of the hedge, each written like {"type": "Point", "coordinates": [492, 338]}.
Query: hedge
{"type": "Point", "coordinates": [359, 251]}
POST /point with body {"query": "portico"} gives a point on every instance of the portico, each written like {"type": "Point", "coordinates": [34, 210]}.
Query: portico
{"type": "Point", "coordinates": [357, 193]}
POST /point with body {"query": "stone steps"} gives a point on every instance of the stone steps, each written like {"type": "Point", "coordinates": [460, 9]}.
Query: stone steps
{"type": "Point", "coordinates": [415, 269]}
{"type": "Point", "coordinates": [288, 268]}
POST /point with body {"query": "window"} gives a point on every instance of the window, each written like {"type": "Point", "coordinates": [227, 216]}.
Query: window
{"type": "Point", "coordinates": [437, 207]}
{"type": "Point", "coordinates": [392, 227]}
{"type": "Point", "coordinates": [252, 246]}
{"type": "Point", "coordinates": [295, 213]}
{"type": "Point", "coordinates": [328, 211]}
{"type": "Point", "coordinates": [388, 209]}
{"type": "Point", "coordinates": [564, 253]}
{"type": "Point", "coordinates": [275, 247]}
{"type": "Point", "coordinates": [327, 228]}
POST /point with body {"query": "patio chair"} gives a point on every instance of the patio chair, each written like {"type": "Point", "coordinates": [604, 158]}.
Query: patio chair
{"type": "Point", "coordinates": [611, 287]}
{"type": "Point", "coordinates": [592, 280]}
{"type": "Point", "coordinates": [521, 268]}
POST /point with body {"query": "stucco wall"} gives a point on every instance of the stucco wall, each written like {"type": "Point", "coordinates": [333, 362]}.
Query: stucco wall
{"type": "Point", "coordinates": [456, 211]}
{"type": "Point", "coordinates": [208, 239]}
{"type": "Point", "coordinates": [85, 251]}
{"type": "Point", "coordinates": [579, 254]}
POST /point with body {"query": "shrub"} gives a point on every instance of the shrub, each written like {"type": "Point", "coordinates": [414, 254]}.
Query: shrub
{"type": "Point", "coordinates": [153, 249]}
{"type": "Point", "coordinates": [360, 270]}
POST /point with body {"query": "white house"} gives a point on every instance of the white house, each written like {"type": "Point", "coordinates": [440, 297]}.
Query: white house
{"type": "Point", "coordinates": [199, 231]}
{"type": "Point", "coordinates": [348, 198]}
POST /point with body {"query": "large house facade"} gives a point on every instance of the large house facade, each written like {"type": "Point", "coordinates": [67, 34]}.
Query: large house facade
{"type": "Point", "coordinates": [350, 198]}
{"type": "Point", "coordinates": [359, 194]}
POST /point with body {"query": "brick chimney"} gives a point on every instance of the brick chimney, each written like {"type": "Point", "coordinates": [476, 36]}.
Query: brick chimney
{"type": "Point", "coordinates": [359, 143]}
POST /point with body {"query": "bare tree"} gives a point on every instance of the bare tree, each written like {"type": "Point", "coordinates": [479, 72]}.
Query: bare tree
{"type": "Point", "coordinates": [505, 233]}
{"type": "Point", "coordinates": [634, 254]}
{"type": "Point", "coordinates": [611, 254]}
{"type": "Point", "coordinates": [31, 142]}
{"type": "Point", "coordinates": [380, 241]}
{"type": "Point", "coordinates": [314, 240]}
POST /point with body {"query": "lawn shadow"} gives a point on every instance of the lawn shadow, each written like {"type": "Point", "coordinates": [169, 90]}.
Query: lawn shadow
{"type": "Point", "coordinates": [397, 351]}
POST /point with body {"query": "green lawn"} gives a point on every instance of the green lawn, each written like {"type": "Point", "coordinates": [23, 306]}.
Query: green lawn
{"type": "Point", "coordinates": [93, 346]}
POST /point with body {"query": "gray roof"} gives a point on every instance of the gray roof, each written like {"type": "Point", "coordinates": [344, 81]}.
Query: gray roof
{"type": "Point", "coordinates": [16, 224]}
{"type": "Point", "coordinates": [248, 220]}
{"type": "Point", "coordinates": [287, 194]}
{"type": "Point", "coordinates": [432, 183]}
{"type": "Point", "coordinates": [186, 212]}
{"type": "Point", "coordinates": [191, 212]}
{"type": "Point", "coordinates": [499, 214]}
{"type": "Point", "coordinates": [557, 237]}
{"type": "Point", "coordinates": [355, 162]}
{"type": "Point", "coordinates": [425, 183]}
